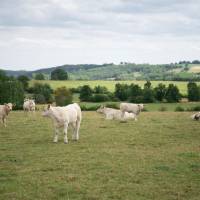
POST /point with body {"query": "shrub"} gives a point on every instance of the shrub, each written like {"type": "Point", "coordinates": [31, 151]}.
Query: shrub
{"type": "Point", "coordinates": [85, 93]}
{"type": "Point", "coordinates": [12, 92]}
{"type": "Point", "coordinates": [195, 108]}
{"type": "Point", "coordinates": [39, 98]}
{"type": "Point", "coordinates": [100, 98]}
{"type": "Point", "coordinates": [43, 89]}
{"type": "Point", "coordinates": [89, 107]}
{"type": "Point", "coordinates": [179, 109]}
{"type": "Point", "coordinates": [112, 105]}
{"type": "Point", "coordinates": [63, 96]}
{"type": "Point", "coordinates": [160, 92]}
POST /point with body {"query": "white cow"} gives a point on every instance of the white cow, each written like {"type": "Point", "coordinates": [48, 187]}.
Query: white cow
{"type": "Point", "coordinates": [196, 116]}
{"type": "Point", "coordinates": [63, 117]}
{"type": "Point", "coordinates": [131, 108]}
{"type": "Point", "coordinates": [4, 111]}
{"type": "Point", "coordinates": [111, 113]}
{"type": "Point", "coordinates": [29, 105]}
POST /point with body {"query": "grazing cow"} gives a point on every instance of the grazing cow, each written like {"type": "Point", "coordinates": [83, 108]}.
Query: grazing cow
{"type": "Point", "coordinates": [63, 117]}
{"type": "Point", "coordinates": [29, 105]}
{"type": "Point", "coordinates": [131, 108]}
{"type": "Point", "coordinates": [196, 116]}
{"type": "Point", "coordinates": [4, 111]}
{"type": "Point", "coordinates": [111, 113]}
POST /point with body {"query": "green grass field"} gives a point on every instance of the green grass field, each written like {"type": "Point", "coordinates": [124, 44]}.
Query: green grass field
{"type": "Point", "coordinates": [109, 84]}
{"type": "Point", "coordinates": [155, 158]}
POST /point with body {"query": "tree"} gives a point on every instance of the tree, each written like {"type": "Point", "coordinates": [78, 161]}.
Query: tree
{"type": "Point", "coordinates": [85, 93]}
{"type": "Point", "coordinates": [12, 92]}
{"type": "Point", "coordinates": [160, 92]}
{"type": "Point", "coordinates": [39, 76]}
{"type": "Point", "coordinates": [121, 91]}
{"type": "Point", "coordinates": [24, 80]}
{"type": "Point", "coordinates": [63, 96]}
{"type": "Point", "coordinates": [3, 76]}
{"type": "Point", "coordinates": [148, 93]}
{"type": "Point", "coordinates": [172, 93]}
{"type": "Point", "coordinates": [42, 93]}
{"type": "Point", "coordinates": [193, 92]}
{"type": "Point", "coordinates": [135, 93]}
{"type": "Point", "coordinates": [59, 74]}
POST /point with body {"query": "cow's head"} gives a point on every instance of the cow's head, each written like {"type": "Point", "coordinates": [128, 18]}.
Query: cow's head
{"type": "Point", "coordinates": [101, 109]}
{"type": "Point", "coordinates": [47, 111]}
{"type": "Point", "coordinates": [8, 107]}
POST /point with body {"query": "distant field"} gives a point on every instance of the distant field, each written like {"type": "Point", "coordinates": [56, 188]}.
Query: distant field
{"type": "Point", "coordinates": [155, 158]}
{"type": "Point", "coordinates": [195, 69]}
{"type": "Point", "coordinates": [109, 84]}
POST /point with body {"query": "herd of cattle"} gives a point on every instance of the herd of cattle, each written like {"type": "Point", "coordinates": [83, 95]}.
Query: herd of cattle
{"type": "Point", "coordinates": [71, 115]}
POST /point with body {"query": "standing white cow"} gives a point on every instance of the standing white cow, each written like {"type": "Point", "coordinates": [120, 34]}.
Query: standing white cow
{"type": "Point", "coordinates": [4, 111]}
{"type": "Point", "coordinates": [111, 113]}
{"type": "Point", "coordinates": [131, 108]}
{"type": "Point", "coordinates": [29, 105]}
{"type": "Point", "coordinates": [63, 117]}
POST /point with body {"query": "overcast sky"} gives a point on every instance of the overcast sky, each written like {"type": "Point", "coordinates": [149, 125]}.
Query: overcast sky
{"type": "Point", "coordinates": [44, 33]}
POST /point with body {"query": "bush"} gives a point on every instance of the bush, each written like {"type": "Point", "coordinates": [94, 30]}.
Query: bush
{"type": "Point", "coordinates": [85, 93]}
{"type": "Point", "coordinates": [44, 90]}
{"type": "Point", "coordinates": [195, 108]}
{"type": "Point", "coordinates": [39, 98]}
{"type": "Point", "coordinates": [179, 109]}
{"type": "Point", "coordinates": [12, 92]}
{"type": "Point", "coordinates": [63, 96]}
{"type": "Point", "coordinates": [89, 107]}
{"type": "Point", "coordinates": [112, 105]}
{"type": "Point", "coordinates": [100, 98]}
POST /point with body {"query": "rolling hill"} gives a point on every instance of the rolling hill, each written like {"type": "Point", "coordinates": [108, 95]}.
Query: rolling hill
{"type": "Point", "coordinates": [124, 71]}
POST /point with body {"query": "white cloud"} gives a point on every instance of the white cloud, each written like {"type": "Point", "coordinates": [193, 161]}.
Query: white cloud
{"type": "Point", "coordinates": [36, 34]}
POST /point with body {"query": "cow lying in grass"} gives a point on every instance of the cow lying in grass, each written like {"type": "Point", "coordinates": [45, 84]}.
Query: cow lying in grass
{"type": "Point", "coordinates": [4, 111]}
{"type": "Point", "coordinates": [196, 116]}
{"type": "Point", "coordinates": [63, 117]}
{"type": "Point", "coordinates": [111, 113]}
{"type": "Point", "coordinates": [131, 108]}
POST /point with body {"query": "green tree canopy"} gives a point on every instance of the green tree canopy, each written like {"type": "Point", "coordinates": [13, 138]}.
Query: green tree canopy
{"type": "Point", "coordinates": [59, 74]}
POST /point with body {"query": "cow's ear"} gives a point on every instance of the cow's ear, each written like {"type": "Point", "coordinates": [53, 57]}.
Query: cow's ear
{"type": "Point", "coordinates": [49, 106]}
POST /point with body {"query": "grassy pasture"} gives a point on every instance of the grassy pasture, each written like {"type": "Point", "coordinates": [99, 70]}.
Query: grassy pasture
{"type": "Point", "coordinates": [157, 157]}
{"type": "Point", "coordinates": [109, 84]}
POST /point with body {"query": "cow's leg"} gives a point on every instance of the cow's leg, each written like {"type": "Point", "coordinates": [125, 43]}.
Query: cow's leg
{"type": "Point", "coordinates": [4, 121]}
{"type": "Point", "coordinates": [74, 131]}
{"type": "Point", "coordinates": [78, 123]}
{"type": "Point", "coordinates": [122, 115]}
{"type": "Point", "coordinates": [56, 135]}
{"type": "Point", "coordinates": [65, 133]}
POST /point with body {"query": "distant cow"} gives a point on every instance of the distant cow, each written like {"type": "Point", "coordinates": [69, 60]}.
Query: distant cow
{"type": "Point", "coordinates": [63, 117]}
{"type": "Point", "coordinates": [111, 113]}
{"type": "Point", "coordinates": [29, 105]}
{"type": "Point", "coordinates": [131, 108]}
{"type": "Point", "coordinates": [196, 116]}
{"type": "Point", "coordinates": [4, 111]}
